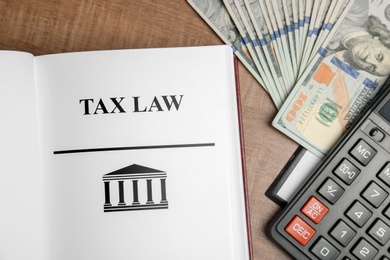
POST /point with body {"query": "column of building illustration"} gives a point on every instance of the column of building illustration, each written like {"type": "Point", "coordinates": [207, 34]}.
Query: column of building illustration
{"type": "Point", "coordinates": [136, 174]}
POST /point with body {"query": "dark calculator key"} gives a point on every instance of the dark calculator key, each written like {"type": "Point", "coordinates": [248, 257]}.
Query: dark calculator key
{"type": "Point", "coordinates": [374, 194]}
{"type": "Point", "coordinates": [380, 232]}
{"type": "Point", "coordinates": [358, 213]}
{"type": "Point", "coordinates": [331, 191]}
{"type": "Point", "coordinates": [342, 233]}
{"type": "Point", "coordinates": [346, 171]}
{"type": "Point", "coordinates": [364, 250]}
{"type": "Point", "coordinates": [363, 152]}
{"type": "Point", "coordinates": [384, 174]}
{"type": "Point", "coordinates": [324, 250]}
{"type": "Point", "coordinates": [376, 134]}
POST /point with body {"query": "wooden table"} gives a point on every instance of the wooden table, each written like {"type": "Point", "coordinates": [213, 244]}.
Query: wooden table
{"type": "Point", "coordinates": [44, 27]}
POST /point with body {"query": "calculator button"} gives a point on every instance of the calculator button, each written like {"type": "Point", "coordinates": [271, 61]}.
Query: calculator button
{"type": "Point", "coordinates": [362, 152]}
{"type": "Point", "coordinates": [331, 191]}
{"type": "Point", "coordinates": [358, 214]}
{"type": "Point", "coordinates": [380, 232]}
{"type": "Point", "coordinates": [364, 250]}
{"type": "Point", "coordinates": [314, 210]}
{"type": "Point", "coordinates": [384, 174]}
{"type": "Point", "coordinates": [376, 134]}
{"type": "Point", "coordinates": [342, 233]}
{"type": "Point", "coordinates": [346, 171]}
{"type": "Point", "coordinates": [385, 258]}
{"type": "Point", "coordinates": [324, 250]}
{"type": "Point", "coordinates": [374, 194]}
{"type": "Point", "coordinates": [300, 230]}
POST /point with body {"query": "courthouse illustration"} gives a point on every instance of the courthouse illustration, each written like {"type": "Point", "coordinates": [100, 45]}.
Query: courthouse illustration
{"type": "Point", "coordinates": [138, 180]}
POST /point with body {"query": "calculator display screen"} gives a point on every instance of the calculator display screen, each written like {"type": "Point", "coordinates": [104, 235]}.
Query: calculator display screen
{"type": "Point", "coordinates": [385, 111]}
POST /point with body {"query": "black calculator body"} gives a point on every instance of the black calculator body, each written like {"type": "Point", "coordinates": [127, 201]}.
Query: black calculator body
{"type": "Point", "coordinates": [343, 210]}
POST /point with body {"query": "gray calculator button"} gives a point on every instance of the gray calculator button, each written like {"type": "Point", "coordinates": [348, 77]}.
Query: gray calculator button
{"type": "Point", "coordinates": [346, 171]}
{"type": "Point", "coordinates": [384, 174]}
{"type": "Point", "coordinates": [380, 232]}
{"type": "Point", "coordinates": [376, 134]}
{"type": "Point", "coordinates": [324, 250]}
{"type": "Point", "coordinates": [342, 233]}
{"type": "Point", "coordinates": [364, 250]}
{"type": "Point", "coordinates": [362, 152]}
{"type": "Point", "coordinates": [358, 213]}
{"type": "Point", "coordinates": [374, 194]}
{"type": "Point", "coordinates": [331, 191]}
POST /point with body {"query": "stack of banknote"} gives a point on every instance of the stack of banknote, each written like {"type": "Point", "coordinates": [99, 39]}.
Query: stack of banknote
{"type": "Point", "coordinates": [321, 61]}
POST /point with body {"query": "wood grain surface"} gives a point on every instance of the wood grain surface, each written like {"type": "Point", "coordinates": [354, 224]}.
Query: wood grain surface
{"type": "Point", "coordinates": [57, 26]}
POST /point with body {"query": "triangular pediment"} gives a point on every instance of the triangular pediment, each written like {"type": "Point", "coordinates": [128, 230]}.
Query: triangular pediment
{"type": "Point", "coordinates": [133, 169]}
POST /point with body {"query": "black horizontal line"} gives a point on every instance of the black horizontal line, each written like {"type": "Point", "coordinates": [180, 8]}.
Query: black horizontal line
{"type": "Point", "coordinates": [170, 146]}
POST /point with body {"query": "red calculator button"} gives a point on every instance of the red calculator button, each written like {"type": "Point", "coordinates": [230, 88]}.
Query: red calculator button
{"type": "Point", "coordinates": [300, 230]}
{"type": "Point", "coordinates": [314, 210]}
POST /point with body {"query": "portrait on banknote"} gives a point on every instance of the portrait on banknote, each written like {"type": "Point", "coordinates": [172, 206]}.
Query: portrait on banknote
{"type": "Point", "coordinates": [364, 40]}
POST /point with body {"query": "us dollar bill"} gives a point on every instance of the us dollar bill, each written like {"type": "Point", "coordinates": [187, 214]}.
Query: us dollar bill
{"type": "Point", "coordinates": [336, 9]}
{"type": "Point", "coordinates": [288, 14]}
{"type": "Point", "coordinates": [214, 13]}
{"type": "Point", "coordinates": [269, 49]}
{"type": "Point", "coordinates": [320, 8]}
{"type": "Point", "coordinates": [342, 80]}
{"type": "Point", "coordinates": [285, 64]}
{"type": "Point", "coordinates": [280, 19]}
{"type": "Point", "coordinates": [242, 16]}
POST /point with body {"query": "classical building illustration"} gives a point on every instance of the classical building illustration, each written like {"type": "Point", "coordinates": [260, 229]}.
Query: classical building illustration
{"type": "Point", "coordinates": [138, 179]}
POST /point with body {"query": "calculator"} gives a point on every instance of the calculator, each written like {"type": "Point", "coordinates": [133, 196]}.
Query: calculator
{"type": "Point", "coordinates": [343, 210]}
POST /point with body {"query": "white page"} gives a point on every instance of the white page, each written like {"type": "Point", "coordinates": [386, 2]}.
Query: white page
{"type": "Point", "coordinates": [21, 230]}
{"type": "Point", "coordinates": [205, 218]}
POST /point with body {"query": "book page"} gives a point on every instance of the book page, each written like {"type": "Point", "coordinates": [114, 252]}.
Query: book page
{"type": "Point", "coordinates": [141, 154]}
{"type": "Point", "coordinates": [21, 230]}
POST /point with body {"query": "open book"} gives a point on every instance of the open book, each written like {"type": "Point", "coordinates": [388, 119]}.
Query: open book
{"type": "Point", "coordinates": [127, 154]}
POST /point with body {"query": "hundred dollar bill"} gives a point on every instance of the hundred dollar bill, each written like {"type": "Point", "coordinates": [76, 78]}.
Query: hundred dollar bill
{"type": "Point", "coordinates": [289, 23]}
{"type": "Point", "coordinates": [279, 32]}
{"type": "Point", "coordinates": [278, 11]}
{"type": "Point", "coordinates": [273, 88]}
{"type": "Point", "coordinates": [214, 13]}
{"type": "Point", "coordinates": [301, 22]}
{"type": "Point", "coordinates": [270, 52]}
{"type": "Point", "coordinates": [308, 9]}
{"type": "Point", "coordinates": [235, 16]}
{"type": "Point", "coordinates": [326, 25]}
{"type": "Point", "coordinates": [334, 91]}
{"type": "Point", "coordinates": [295, 15]}
{"type": "Point", "coordinates": [336, 9]}
{"type": "Point", "coordinates": [320, 9]}
{"type": "Point", "coordinates": [270, 21]}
